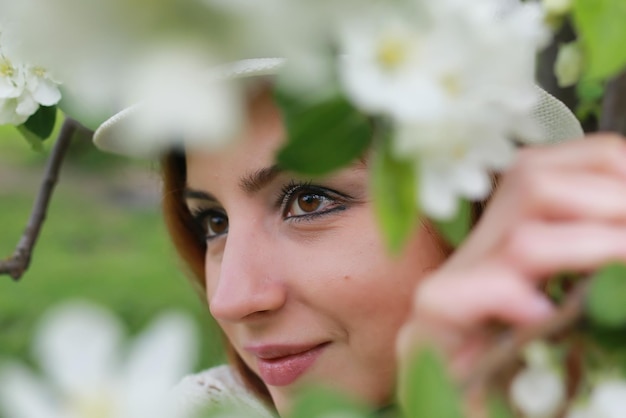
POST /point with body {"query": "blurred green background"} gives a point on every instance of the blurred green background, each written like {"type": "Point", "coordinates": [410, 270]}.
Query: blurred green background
{"type": "Point", "coordinates": [103, 240]}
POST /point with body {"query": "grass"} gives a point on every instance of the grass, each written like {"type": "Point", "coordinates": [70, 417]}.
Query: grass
{"type": "Point", "coordinates": [91, 247]}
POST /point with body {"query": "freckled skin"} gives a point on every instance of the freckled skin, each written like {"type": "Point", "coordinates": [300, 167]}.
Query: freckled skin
{"type": "Point", "coordinates": [327, 279]}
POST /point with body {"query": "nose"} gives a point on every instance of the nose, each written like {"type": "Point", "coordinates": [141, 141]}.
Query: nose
{"type": "Point", "coordinates": [247, 278]}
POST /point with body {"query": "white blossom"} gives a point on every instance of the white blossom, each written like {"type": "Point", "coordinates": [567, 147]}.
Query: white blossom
{"type": "Point", "coordinates": [301, 31]}
{"type": "Point", "coordinates": [538, 392]}
{"type": "Point", "coordinates": [608, 399]}
{"type": "Point", "coordinates": [569, 64]}
{"type": "Point", "coordinates": [89, 373]}
{"type": "Point", "coordinates": [580, 411]}
{"type": "Point", "coordinates": [23, 88]}
{"type": "Point", "coordinates": [453, 168]}
{"type": "Point", "coordinates": [457, 82]}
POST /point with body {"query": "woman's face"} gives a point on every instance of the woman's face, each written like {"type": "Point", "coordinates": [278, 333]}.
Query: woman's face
{"type": "Point", "coordinates": [297, 273]}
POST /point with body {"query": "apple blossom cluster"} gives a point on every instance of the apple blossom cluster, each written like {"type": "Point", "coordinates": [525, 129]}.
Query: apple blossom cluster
{"type": "Point", "coordinates": [455, 78]}
{"type": "Point", "coordinates": [457, 84]}
{"type": "Point", "coordinates": [90, 372]}
{"type": "Point", "coordinates": [539, 390]}
{"type": "Point", "coordinates": [23, 88]}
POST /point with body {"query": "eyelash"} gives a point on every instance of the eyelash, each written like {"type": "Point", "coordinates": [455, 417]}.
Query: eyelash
{"type": "Point", "coordinates": [200, 217]}
{"type": "Point", "coordinates": [293, 189]}
{"type": "Point", "coordinates": [284, 202]}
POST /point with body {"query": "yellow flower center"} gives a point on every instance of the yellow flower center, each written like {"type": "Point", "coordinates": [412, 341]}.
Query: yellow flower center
{"type": "Point", "coordinates": [451, 84]}
{"type": "Point", "coordinates": [39, 72]}
{"type": "Point", "coordinates": [459, 151]}
{"type": "Point", "coordinates": [93, 407]}
{"type": "Point", "coordinates": [392, 52]}
{"type": "Point", "coordinates": [6, 69]}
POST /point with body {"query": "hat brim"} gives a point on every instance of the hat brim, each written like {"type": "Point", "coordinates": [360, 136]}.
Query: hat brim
{"type": "Point", "coordinates": [555, 120]}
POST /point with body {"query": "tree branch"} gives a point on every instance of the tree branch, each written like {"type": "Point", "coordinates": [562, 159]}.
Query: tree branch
{"type": "Point", "coordinates": [506, 352]}
{"type": "Point", "coordinates": [16, 265]}
{"type": "Point", "coordinates": [614, 106]}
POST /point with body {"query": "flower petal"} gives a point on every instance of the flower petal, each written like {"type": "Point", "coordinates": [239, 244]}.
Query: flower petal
{"type": "Point", "coordinates": [8, 115]}
{"type": "Point", "coordinates": [471, 180]}
{"type": "Point", "coordinates": [8, 89]}
{"type": "Point", "coordinates": [538, 392]}
{"type": "Point", "coordinates": [580, 412]}
{"type": "Point", "coordinates": [77, 344]}
{"type": "Point", "coordinates": [497, 153]}
{"type": "Point", "coordinates": [158, 359]}
{"type": "Point", "coordinates": [608, 399]}
{"type": "Point", "coordinates": [26, 105]}
{"type": "Point", "coordinates": [436, 194]}
{"type": "Point", "coordinates": [46, 93]}
{"type": "Point", "coordinates": [22, 395]}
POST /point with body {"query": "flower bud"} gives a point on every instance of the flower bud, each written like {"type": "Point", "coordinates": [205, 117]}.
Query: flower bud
{"type": "Point", "coordinates": [538, 392]}
{"type": "Point", "coordinates": [569, 64]}
{"type": "Point", "coordinates": [557, 7]}
{"type": "Point", "coordinates": [608, 399]}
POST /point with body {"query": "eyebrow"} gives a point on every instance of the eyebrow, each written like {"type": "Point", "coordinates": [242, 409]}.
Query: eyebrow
{"type": "Point", "coordinates": [190, 193]}
{"type": "Point", "coordinates": [250, 183]}
{"type": "Point", "coordinates": [254, 182]}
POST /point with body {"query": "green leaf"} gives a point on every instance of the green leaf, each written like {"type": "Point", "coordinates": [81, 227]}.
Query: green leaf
{"type": "Point", "coordinates": [590, 93]}
{"type": "Point", "coordinates": [323, 136]}
{"type": "Point", "coordinates": [428, 391]}
{"type": "Point", "coordinates": [394, 189]}
{"type": "Point", "coordinates": [455, 230]}
{"type": "Point", "coordinates": [602, 29]}
{"type": "Point", "coordinates": [41, 123]}
{"type": "Point", "coordinates": [608, 338]}
{"type": "Point", "coordinates": [323, 402]}
{"type": "Point", "coordinates": [33, 140]}
{"type": "Point", "coordinates": [606, 300]}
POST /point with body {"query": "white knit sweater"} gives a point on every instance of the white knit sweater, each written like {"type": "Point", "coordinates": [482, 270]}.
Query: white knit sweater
{"type": "Point", "coordinates": [216, 387]}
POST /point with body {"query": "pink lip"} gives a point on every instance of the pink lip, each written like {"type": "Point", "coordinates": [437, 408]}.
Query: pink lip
{"type": "Point", "coordinates": [281, 365]}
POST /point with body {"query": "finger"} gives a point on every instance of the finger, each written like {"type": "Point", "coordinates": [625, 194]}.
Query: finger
{"type": "Point", "coordinates": [541, 249]}
{"type": "Point", "coordinates": [546, 194]}
{"type": "Point", "coordinates": [469, 298]}
{"type": "Point", "coordinates": [567, 196]}
{"type": "Point", "coordinates": [600, 152]}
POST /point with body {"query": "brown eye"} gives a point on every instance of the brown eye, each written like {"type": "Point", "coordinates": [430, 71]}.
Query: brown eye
{"type": "Point", "coordinates": [308, 203]}
{"type": "Point", "coordinates": [211, 222]}
{"type": "Point", "coordinates": [216, 224]}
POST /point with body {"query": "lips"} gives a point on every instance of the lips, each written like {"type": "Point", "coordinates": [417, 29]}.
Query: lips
{"type": "Point", "coordinates": [281, 365]}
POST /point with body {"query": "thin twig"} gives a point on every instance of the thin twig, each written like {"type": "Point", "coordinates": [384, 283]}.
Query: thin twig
{"type": "Point", "coordinates": [506, 351]}
{"type": "Point", "coordinates": [16, 265]}
{"type": "Point", "coordinates": [614, 106]}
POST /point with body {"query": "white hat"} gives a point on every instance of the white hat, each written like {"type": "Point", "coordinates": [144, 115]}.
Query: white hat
{"type": "Point", "coordinates": [555, 121]}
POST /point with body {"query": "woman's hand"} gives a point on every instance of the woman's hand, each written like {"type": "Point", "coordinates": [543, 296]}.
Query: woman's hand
{"type": "Point", "coordinates": [560, 208]}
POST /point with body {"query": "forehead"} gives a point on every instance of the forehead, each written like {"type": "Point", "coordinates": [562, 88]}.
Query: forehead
{"type": "Point", "coordinates": [254, 149]}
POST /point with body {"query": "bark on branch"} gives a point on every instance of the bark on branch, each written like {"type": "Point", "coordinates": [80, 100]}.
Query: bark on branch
{"type": "Point", "coordinates": [506, 352]}
{"type": "Point", "coordinates": [18, 263]}
{"type": "Point", "coordinates": [614, 106]}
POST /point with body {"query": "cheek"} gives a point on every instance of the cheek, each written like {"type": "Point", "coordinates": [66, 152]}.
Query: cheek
{"type": "Point", "coordinates": [361, 282]}
{"type": "Point", "coordinates": [211, 272]}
